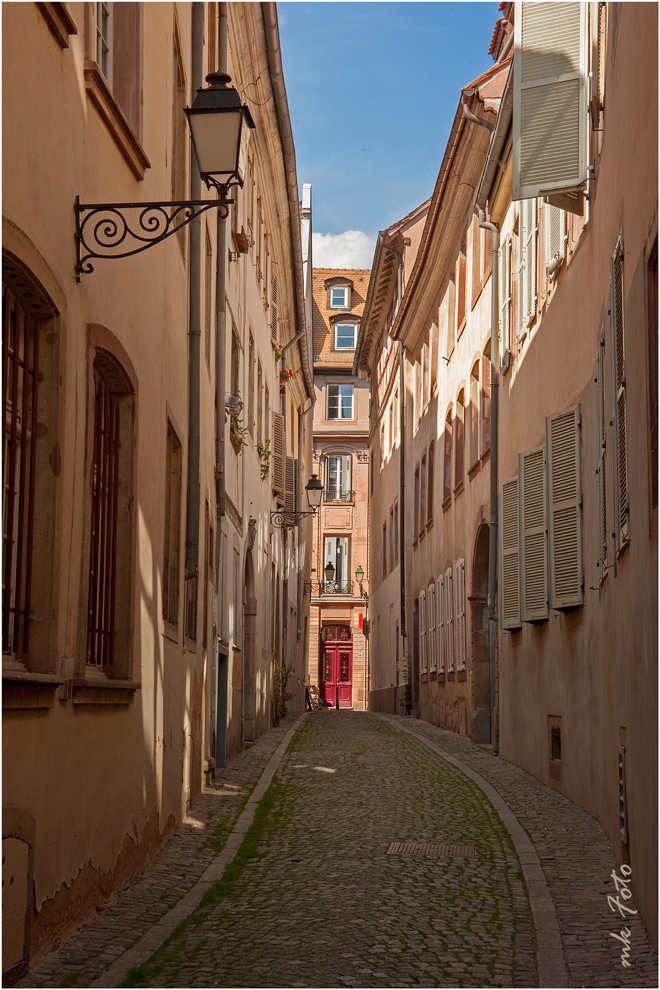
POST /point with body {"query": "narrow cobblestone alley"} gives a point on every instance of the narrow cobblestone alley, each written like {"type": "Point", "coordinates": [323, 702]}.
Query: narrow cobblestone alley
{"type": "Point", "coordinates": [314, 897]}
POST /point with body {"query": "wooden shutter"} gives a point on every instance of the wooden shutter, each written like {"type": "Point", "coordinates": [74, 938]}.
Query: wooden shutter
{"type": "Point", "coordinates": [621, 503]}
{"type": "Point", "coordinates": [533, 535]}
{"type": "Point", "coordinates": [278, 453]}
{"type": "Point", "coordinates": [432, 637]}
{"type": "Point", "coordinates": [602, 443]}
{"type": "Point", "coordinates": [549, 98]}
{"type": "Point", "coordinates": [274, 330]}
{"type": "Point", "coordinates": [440, 625]}
{"type": "Point", "coordinates": [422, 631]}
{"type": "Point", "coordinates": [527, 284]}
{"type": "Point", "coordinates": [504, 278]}
{"type": "Point", "coordinates": [460, 615]}
{"type": "Point", "coordinates": [449, 313]}
{"type": "Point", "coordinates": [485, 403]}
{"type": "Point", "coordinates": [449, 620]}
{"type": "Point", "coordinates": [509, 555]}
{"type": "Point", "coordinates": [555, 226]}
{"type": "Point", "coordinates": [290, 484]}
{"type": "Point", "coordinates": [565, 508]}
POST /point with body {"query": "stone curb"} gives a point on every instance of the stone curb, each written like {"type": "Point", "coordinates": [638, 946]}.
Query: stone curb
{"type": "Point", "coordinates": [550, 960]}
{"type": "Point", "coordinates": [158, 933]}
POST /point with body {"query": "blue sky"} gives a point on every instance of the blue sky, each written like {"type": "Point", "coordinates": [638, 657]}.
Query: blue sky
{"type": "Point", "coordinates": [372, 90]}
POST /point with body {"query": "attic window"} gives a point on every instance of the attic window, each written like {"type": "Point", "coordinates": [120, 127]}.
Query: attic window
{"type": "Point", "coordinates": [338, 297]}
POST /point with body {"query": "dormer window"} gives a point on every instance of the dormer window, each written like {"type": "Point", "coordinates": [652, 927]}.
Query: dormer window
{"type": "Point", "coordinates": [338, 297]}
{"type": "Point", "coordinates": [345, 336]}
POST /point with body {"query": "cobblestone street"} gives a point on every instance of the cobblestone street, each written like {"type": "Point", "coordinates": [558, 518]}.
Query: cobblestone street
{"type": "Point", "coordinates": [314, 897]}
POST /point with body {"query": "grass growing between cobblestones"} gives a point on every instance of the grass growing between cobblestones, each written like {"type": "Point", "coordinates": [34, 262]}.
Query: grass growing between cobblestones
{"type": "Point", "coordinates": [140, 976]}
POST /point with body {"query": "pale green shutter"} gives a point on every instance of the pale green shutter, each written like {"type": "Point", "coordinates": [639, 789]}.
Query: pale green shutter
{"type": "Point", "coordinates": [533, 535]}
{"type": "Point", "coordinates": [621, 502]}
{"type": "Point", "coordinates": [504, 278]}
{"type": "Point", "coordinates": [509, 592]}
{"type": "Point", "coordinates": [460, 615]}
{"type": "Point", "coordinates": [422, 631]}
{"type": "Point", "coordinates": [278, 453]}
{"type": "Point", "coordinates": [565, 508]}
{"type": "Point", "coordinates": [555, 227]}
{"type": "Point", "coordinates": [550, 96]}
{"type": "Point", "coordinates": [449, 620]}
{"type": "Point", "coordinates": [440, 624]}
{"type": "Point", "coordinates": [289, 485]}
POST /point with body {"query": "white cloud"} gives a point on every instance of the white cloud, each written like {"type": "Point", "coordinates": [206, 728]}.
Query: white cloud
{"type": "Point", "coordinates": [352, 249]}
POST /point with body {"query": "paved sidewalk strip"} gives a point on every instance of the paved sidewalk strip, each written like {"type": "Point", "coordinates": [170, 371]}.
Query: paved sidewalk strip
{"type": "Point", "coordinates": [576, 860]}
{"type": "Point", "coordinates": [138, 908]}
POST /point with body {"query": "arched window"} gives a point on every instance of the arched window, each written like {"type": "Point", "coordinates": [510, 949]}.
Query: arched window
{"type": "Point", "coordinates": [474, 414]}
{"type": "Point", "coordinates": [429, 485]}
{"type": "Point", "coordinates": [416, 507]}
{"type": "Point", "coordinates": [422, 497]}
{"type": "Point", "coordinates": [111, 520]}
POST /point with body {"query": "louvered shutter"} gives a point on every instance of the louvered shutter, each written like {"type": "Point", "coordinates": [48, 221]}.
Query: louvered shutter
{"type": "Point", "coordinates": [289, 485]}
{"type": "Point", "coordinates": [565, 508]}
{"type": "Point", "coordinates": [460, 615]}
{"type": "Point", "coordinates": [550, 98]}
{"type": "Point", "coordinates": [504, 277]}
{"type": "Point", "coordinates": [278, 453]}
{"type": "Point", "coordinates": [602, 443]}
{"type": "Point", "coordinates": [449, 312]}
{"type": "Point", "coordinates": [509, 555]}
{"type": "Point", "coordinates": [555, 226]}
{"type": "Point", "coordinates": [621, 506]}
{"type": "Point", "coordinates": [449, 620]}
{"type": "Point", "coordinates": [527, 283]}
{"type": "Point", "coordinates": [422, 631]}
{"type": "Point", "coordinates": [274, 330]}
{"type": "Point", "coordinates": [485, 403]}
{"type": "Point", "coordinates": [432, 635]}
{"type": "Point", "coordinates": [440, 626]}
{"type": "Point", "coordinates": [534, 536]}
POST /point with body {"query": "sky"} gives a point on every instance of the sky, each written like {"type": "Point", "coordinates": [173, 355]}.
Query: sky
{"type": "Point", "coordinates": [372, 91]}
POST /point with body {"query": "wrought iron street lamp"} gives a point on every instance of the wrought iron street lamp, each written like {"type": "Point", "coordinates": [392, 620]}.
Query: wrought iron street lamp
{"type": "Point", "coordinates": [285, 518]}
{"type": "Point", "coordinates": [220, 127]}
{"type": "Point", "coordinates": [329, 572]}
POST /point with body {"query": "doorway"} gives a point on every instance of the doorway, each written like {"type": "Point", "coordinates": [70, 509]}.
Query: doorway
{"type": "Point", "coordinates": [337, 665]}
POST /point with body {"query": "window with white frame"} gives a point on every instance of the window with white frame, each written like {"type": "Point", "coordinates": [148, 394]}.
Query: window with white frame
{"type": "Point", "coordinates": [449, 621]}
{"type": "Point", "coordinates": [423, 658]}
{"type": "Point", "coordinates": [527, 297]}
{"type": "Point", "coordinates": [338, 478]}
{"type": "Point", "coordinates": [338, 297]}
{"type": "Point", "coordinates": [440, 623]}
{"type": "Point", "coordinates": [345, 336]}
{"type": "Point", "coordinates": [433, 662]}
{"type": "Point", "coordinates": [339, 402]}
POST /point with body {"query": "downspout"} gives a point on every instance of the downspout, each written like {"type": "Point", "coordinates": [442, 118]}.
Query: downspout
{"type": "Point", "coordinates": [192, 496]}
{"type": "Point", "coordinates": [494, 394]}
{"type": "Point", "coordinates": [220, 315]}
{"type": "Point", "coordinates": [301, 418]}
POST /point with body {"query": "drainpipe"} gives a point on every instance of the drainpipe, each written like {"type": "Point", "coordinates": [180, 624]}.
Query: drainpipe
{"type": "Point", "coordinates": [494, 393]}
{"type": "Point", "coordinates": [301, 417]}
{"type": "Point", "coordinates": [220, 315]}
{"type": "Point", "coordinates": [192, 497]}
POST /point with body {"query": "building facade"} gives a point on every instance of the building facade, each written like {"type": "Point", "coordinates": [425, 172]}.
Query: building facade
{"type": "Point", "coordinates": [530, 441]}
{"type": "Point", "coordinates": [338, 650]}
{"type": "Point", "coordinates": [119, 547]}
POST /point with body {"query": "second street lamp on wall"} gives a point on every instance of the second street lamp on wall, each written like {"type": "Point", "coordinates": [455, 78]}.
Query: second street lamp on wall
{"type": "Point", "coordinates": [329, 572]}
{"type": "Point", "coordinates": [220, 128]}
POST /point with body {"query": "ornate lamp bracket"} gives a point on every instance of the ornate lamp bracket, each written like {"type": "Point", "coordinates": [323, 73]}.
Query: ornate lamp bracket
{"type": "Point", "coordinates": [284, 519]}
{"type": "Point", "coordinates": [120, 230]}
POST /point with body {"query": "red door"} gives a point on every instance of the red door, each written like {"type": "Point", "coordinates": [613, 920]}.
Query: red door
{"type": "Point", "coordinates": [337, 672]}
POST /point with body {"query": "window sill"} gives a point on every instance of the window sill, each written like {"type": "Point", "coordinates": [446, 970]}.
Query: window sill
{"type": "Point", "coordinates": [446, 503]}
{"type": "Point", "coordinates": [415, 544]}
{"type": "Point", "coordinates": [459, 488]}
{"type": "Point", "coordinates": [473, 469]}
{"type": "Point", "coordinates": [59, 21]}
{"type": "Point", "coordinates": [422, 534]}
{"type": "Point", "coordinates": [429, 525]}
{"type": "Point", "coordinates": [451, 675]}
{"type": "Point", "coordinates": [424, 678]}
{"type": "Point", "coordinates": [22, 689]}
{"type": "Point", "coordinates": [170, 631]}
{"type": "Point", "coordinates": [109, 691]}
{"type": "Point", "coordinates": [433, 675]}
{"type": "Point", "coordinates": [102, 97]}
{"type": "Point", "coordinates": [461, 675]}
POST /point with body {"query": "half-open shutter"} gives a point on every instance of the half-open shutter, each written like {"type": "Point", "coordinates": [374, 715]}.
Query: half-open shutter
{"type": "Point", "coordinates": [485, 403]}
{"type": "Point", "coordinates": [534, 536]}
{"type": "Point", "coordinates": [449, 620]}
{"type": "Point", "coordinates": [440, 625]}
{"type": "Point", "coordinates": [460, 615]}
{"type": "Point", "coordinates": [555, 227]}
{"type": "Point", "coordinates": [504, 277]}
{"type": "Point", "coordinates": [549, 98]}
{"type": "Point", "coordinates": [621, 505]}
{"type": "Point", "coordinates": [509, 555]}
{"type": "Point", "coordinates": [422, 631]}
{"type": "Point", "coordinates": [290, 485]}
{"type": "Point", "coordinates": [274, 331]}
{"type": "Point", "coordinates": [433, 663]}
{"type": "Point", "coordinates": [278, 453]}
{"type": "Point", "coordinates": [565, 508]}
{"type": "Point", "coordinates": [527, 285]}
